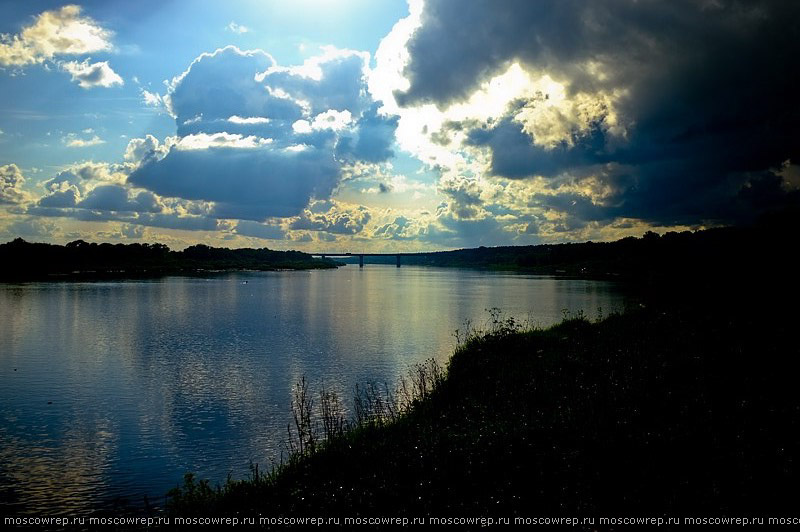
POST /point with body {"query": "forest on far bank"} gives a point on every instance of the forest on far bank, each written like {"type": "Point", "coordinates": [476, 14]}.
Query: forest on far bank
{"type": "Point", "coordinates": [21, 260]}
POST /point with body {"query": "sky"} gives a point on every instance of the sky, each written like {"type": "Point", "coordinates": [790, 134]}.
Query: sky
{"type": "Point", "coordinates": [363, 125]}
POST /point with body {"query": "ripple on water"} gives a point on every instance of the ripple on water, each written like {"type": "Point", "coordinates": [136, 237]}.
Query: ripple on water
{"type": "Point", "coordinates": [110, 391]}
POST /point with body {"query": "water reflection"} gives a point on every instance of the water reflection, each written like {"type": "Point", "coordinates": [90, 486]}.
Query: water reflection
{"type": "Point", "coordinates": [113, 390]}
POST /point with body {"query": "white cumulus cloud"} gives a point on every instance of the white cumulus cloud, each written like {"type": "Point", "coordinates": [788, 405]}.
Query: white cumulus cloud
{"type": "Point", "coordinates": [261, 141]}
{"type": "Point", "coordinates": [89, 75]}
{"type": "Point", "coordinates": [248, 120]}
{"type": "Point", "coordinates": [152, 99]}
{"type": "Point", "coordinates": [59, 32]}
{"type": "Point", "coordinates": [204, 141]}
{"type": "Point", "coordinates": [73, 141]}
{"type": "Point", "coordinates": [11, 181]}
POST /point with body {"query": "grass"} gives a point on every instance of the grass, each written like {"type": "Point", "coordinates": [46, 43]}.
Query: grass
{"type": "Point", "coordinates": [667, 410]}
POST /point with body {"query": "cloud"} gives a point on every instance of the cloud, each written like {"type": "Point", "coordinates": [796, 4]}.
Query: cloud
{"type": "Point", "coordinates": [152, 99]}
{"type": "Point", "coordinates": [115, 198]}
{"type": "Point", "coordinates": [73, 141]}
{"type": "Point", "coordinates": [92, 75]}
{"type": "Point", "coordinates": [11, 181]}
{"type": "Point", "coordinates": [132, 231]}
{"type": "Point", "coordinates": [322, 237]}
{"type": "Point", "coordinates": [306, 237]}
{"type": "Point", "coordinates": [259, 140]}
{"type": "Point", "coordinates": [513, 154]}
{"type": "Point", "coordinates": [29, 228]}
{"type": "Point", "coordinates": [204, 141]}
{"type": "Point", "coordinates": [53, 33]}
{"type": "Point", "coordinates": [60, 199]}
{"type": "Point", "coordinates": [336, 79]}
{"type": "Point", "coordinates": [165, 220]}
{"type": "Point", "coordinates": [381, 179]}
{"type": "Point", "coordinates": [259, 230]}
{"type": "Point", "coordinates": [401, 228]}
{"type": "Point", "coordinates": [248, 120]}
{"type": "Point", "coordinates": [248, 183]}
{"type": "Point", "coordinates": [443, 230]}
{"type": "Point", "coordinates": [333, 217]}
{"type": "Point", "coordinates": [222, 84]}
{"type": "Point", "coordinates": [98, 192]}
{"type": "Point", "coordinates": [457, 232]}
{"type": "Point", "coordinates": [392, 57]}
{"type": "Point", "coordinates": [176, 221]}
{"type": "Point", "coordinates": [380, 188]}
{"type": "Point", "coordinates": [373, 138]}
{"type": "Point", "coordinates": [690, 103]}
{"type": "Point", "coordinates": [237, 28]}
{"type": "Point", "coordinates": [140, 149]}
{"type": "Point", "coordinates": [464, 196]}
{"type": "Point", "coordinates": [330, 119]}
{"type": "Point", "coordinates": [94, 186]}
{"type": "Point", "coordinates": [578, 207]}
{"type": "Point", "coordinates": [86, 174]}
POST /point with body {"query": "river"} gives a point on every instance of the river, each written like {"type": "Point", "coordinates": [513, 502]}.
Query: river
{"type": "Point", "coordinates": [110, 391]}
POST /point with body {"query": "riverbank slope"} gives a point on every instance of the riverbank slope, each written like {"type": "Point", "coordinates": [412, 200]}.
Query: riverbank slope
{"type": "Point", "coordinates": [666, 409]}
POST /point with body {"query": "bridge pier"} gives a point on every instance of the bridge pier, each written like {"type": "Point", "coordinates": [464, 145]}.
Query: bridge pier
{"type": "Point", "coordinates": [398, 261]}
{"type": "Point", "coordinates": [361, 261]}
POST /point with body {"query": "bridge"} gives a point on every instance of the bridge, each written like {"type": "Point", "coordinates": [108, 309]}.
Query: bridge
{"type": "Point", "coordinates": [362, 255]}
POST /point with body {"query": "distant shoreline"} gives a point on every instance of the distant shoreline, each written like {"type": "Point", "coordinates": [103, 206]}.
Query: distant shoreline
{"type": "Point", "coordinates": [22, 261]}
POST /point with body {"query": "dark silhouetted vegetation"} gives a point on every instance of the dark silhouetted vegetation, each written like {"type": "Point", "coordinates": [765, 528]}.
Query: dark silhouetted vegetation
{"type": "Point", "coordinates": [651, 258]}
{"type": "Point", "coordinates": [20, 260]}
{"type": "Point", "coordinates": [665, 409]}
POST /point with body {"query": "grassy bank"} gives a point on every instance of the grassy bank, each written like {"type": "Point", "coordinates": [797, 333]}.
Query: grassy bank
{"type": "Point", "coordinates": [666, 409]}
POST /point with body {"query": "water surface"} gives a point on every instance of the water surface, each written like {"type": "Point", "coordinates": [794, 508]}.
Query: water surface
{"type": "Point", "coordinates": [110, 391]}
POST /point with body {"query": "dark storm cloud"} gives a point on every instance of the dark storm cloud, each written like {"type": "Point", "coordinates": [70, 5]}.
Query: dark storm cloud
{"type": "Point", "coordinates": [373, 140]}
{"type": "Point", "coordinates": [259, 230]}
{"type": "Point", "coordinates": [706, 90]}
{"type": "Point", "coordinates": [151, 219]}
{"type": "Point", "coordinates": [469, 233]}
{"type": "Point", "coordinates": [114, 198]}
{"type": "Point", "coordinates": [174, 221]}
{"type": "Point", "coordinates": [575, 205]}
{"type": "Point", "coordinates": [59, 199]}
{"type": "Point", "coordinates": [515, 156]}
{"type": "Point", "coordinates": [248, 183]}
